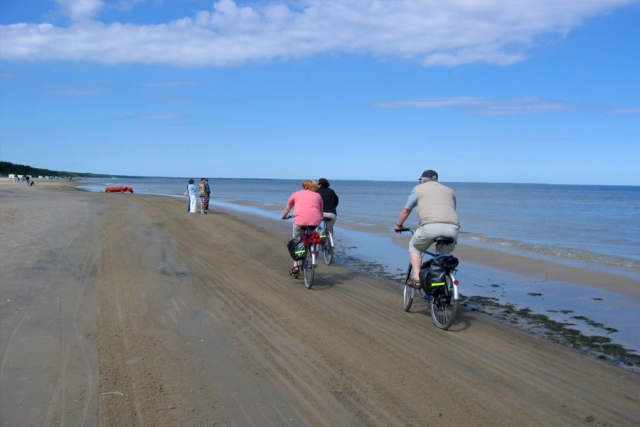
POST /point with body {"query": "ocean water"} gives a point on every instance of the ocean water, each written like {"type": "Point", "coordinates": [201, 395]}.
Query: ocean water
{"type": "Point", "coordinates": [593, 227]}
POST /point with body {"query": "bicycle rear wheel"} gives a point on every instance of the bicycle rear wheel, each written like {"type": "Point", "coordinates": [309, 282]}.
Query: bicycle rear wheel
{"type": "Point", "coordinates": [308, 269]}
{"type": "Point", "coordinates": [327, 249]}
{"type": "Point", "coordinates": [407, 298]}
{"type": "Point", "coordinates": [444, 307]}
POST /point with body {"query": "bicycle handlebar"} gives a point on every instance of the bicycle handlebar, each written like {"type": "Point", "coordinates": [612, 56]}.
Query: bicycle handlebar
{"type": "Point", "coordinates": [404, 229]}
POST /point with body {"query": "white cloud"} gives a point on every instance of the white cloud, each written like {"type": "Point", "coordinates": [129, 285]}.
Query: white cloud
{"type": "Point", "coordinates": [80, 10]}
{"type": "Point", "coordinates": [438, 32]}
{"type": "Point", "coordinates": [125, 5]}
{"type": "Point", "coordinates": [482, 106]}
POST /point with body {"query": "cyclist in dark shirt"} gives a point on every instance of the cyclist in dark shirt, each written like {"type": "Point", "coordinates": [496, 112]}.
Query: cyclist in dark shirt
{"type": "Point", "coordinates": [330, 200]}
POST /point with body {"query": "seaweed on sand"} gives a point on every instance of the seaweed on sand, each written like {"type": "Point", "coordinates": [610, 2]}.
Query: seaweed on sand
{"type": "Point", "coordinates": [559, 332]}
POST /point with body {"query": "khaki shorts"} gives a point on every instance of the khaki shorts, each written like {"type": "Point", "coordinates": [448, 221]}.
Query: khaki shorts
{"type": "Point", "coordinates": [425, 235]}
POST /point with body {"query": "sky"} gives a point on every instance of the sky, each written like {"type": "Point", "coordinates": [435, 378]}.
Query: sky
{"type": "Point", "coordinates": [514, 91]}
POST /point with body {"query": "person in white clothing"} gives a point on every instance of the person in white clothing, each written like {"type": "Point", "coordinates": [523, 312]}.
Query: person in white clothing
{"type": "Point", "coordinates": [193, 196]}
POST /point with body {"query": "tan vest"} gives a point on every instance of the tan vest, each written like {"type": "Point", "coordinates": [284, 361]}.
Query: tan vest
{"type": "Point", "coordinates": [436, 204]}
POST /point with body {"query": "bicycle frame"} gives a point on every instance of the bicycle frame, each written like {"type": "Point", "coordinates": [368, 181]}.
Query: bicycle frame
{"type": "Point", "coordinates": [330, 238]}
{"type": "Point", "coordinates": [314, 253]}
{"type": "Point", "coordinates": [456, 292]}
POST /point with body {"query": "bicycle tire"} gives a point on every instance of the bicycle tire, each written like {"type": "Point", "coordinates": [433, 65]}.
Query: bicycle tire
{"type": "Point", "coordinates": [308, 269]}
{"type": "Point", "coordinates": [408, 294]}
{"type": "Point", "coordinates": [328, 249]}
{"type": "Point", "coordinates": [444, 307]}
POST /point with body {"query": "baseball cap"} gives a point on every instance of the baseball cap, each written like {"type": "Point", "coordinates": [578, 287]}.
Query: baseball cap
{"type": "Point", "coordinates": [429, 174]}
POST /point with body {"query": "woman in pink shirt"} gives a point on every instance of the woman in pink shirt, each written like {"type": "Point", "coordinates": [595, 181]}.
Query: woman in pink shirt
{"type": "Point", "coordinates": [308, 210]}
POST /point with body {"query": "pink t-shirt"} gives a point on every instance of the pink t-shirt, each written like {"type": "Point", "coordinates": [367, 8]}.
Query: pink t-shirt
{"type": "Point", "coordinates": [307, 207]}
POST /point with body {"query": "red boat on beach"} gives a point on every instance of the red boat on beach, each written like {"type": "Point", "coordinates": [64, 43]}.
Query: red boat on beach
{"type": "Point", "coordinates": [121, 189]}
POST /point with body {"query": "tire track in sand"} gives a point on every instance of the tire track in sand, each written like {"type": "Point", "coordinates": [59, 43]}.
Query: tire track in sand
{"type": "Point", "coordinates": [53, 300]}
{"type": "Point", "coordinates": [69, 310]}
{"type": "Point", "coordinates": [144, 378]}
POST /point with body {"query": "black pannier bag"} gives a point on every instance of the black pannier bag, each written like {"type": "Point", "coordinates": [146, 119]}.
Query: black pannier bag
{"type": "Point", "coordinates": [433, 272]}
{"type": "Point", "coordinates": [449, 262]}
{"type": "Point", "coordinates": [296, 248]}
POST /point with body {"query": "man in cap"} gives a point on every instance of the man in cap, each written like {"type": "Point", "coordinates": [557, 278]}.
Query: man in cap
{"type": "Point", "coordinates": [436, 208]}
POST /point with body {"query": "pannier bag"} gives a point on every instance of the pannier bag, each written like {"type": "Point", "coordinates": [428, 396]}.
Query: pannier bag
{"type": "Point", "coordinates": [433, 272]}
{"type": "Point", "coordinates": [296, 248]}
{"type": "Point", "coordinates": [323, 235]}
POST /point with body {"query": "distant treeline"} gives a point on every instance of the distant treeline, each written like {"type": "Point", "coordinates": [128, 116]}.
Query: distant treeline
{"type": "Point", "coordinates": [7, 168]}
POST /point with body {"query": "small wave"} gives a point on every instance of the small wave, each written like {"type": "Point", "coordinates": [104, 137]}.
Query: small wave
{"type": "Point", "coordinates": [558, 251]}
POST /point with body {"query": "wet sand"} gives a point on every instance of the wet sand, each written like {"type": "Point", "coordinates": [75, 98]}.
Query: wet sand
{"type": "Point", "coordinates": [125, 310]}
{"type": "Point", "coordinates": [536, 269]}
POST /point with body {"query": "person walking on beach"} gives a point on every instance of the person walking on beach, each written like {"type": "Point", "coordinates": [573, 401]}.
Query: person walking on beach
{"type": "Point", "coordinates": [437, 214]}
{"type": "Point", "coordinates": [193, 193]}
{"type": "Point", "coordinates": [202, 193]}
{"type": "Point", "coordinates": [307, 213]}
{"type": "Point", "coordinates": [330, 201]}
{"type": "Point", "coordinates": [207, 190]}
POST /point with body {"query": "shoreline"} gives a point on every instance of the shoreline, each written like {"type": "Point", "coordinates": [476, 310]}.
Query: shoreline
{"type": "Point", "coordinates": [588, 255]}
{"type": "Point", "coordinates": [527, 266]}
{"type": "Point", "coordinates": [538, 269]}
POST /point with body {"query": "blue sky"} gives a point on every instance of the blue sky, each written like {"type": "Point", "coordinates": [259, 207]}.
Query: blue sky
{"type": "Point", "coordinates": [524, 91]}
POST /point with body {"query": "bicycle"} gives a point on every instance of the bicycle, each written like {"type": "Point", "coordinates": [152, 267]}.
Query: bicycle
{"type": "Point", "coordinates": [308, 263]}
{"type": "Point", "coordinates": [327, 246]}
{"type": "Point", "coordinates": [444, 303]}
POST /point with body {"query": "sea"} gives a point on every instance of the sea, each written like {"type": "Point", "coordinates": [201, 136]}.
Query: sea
{"type": "Point", "coordinates": [595, 227]}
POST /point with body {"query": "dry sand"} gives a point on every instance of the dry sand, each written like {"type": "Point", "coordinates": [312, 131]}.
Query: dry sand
{"type": "Point", "coordinates": [125, 310]}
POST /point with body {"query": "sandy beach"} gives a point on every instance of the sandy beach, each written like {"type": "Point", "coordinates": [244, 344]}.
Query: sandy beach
{"type": "Point", "coordinates": [125, 310]}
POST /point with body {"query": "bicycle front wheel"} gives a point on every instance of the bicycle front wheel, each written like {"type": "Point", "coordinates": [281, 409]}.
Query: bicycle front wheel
{"type": "Point", "coordinates": [408, 291]}
{"type": "Point", "coordinates": [308, 269]}
{"type": "Point", "coordinates": [444, 307]}
{"type": "Point", "coordinates": [327, 249]}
